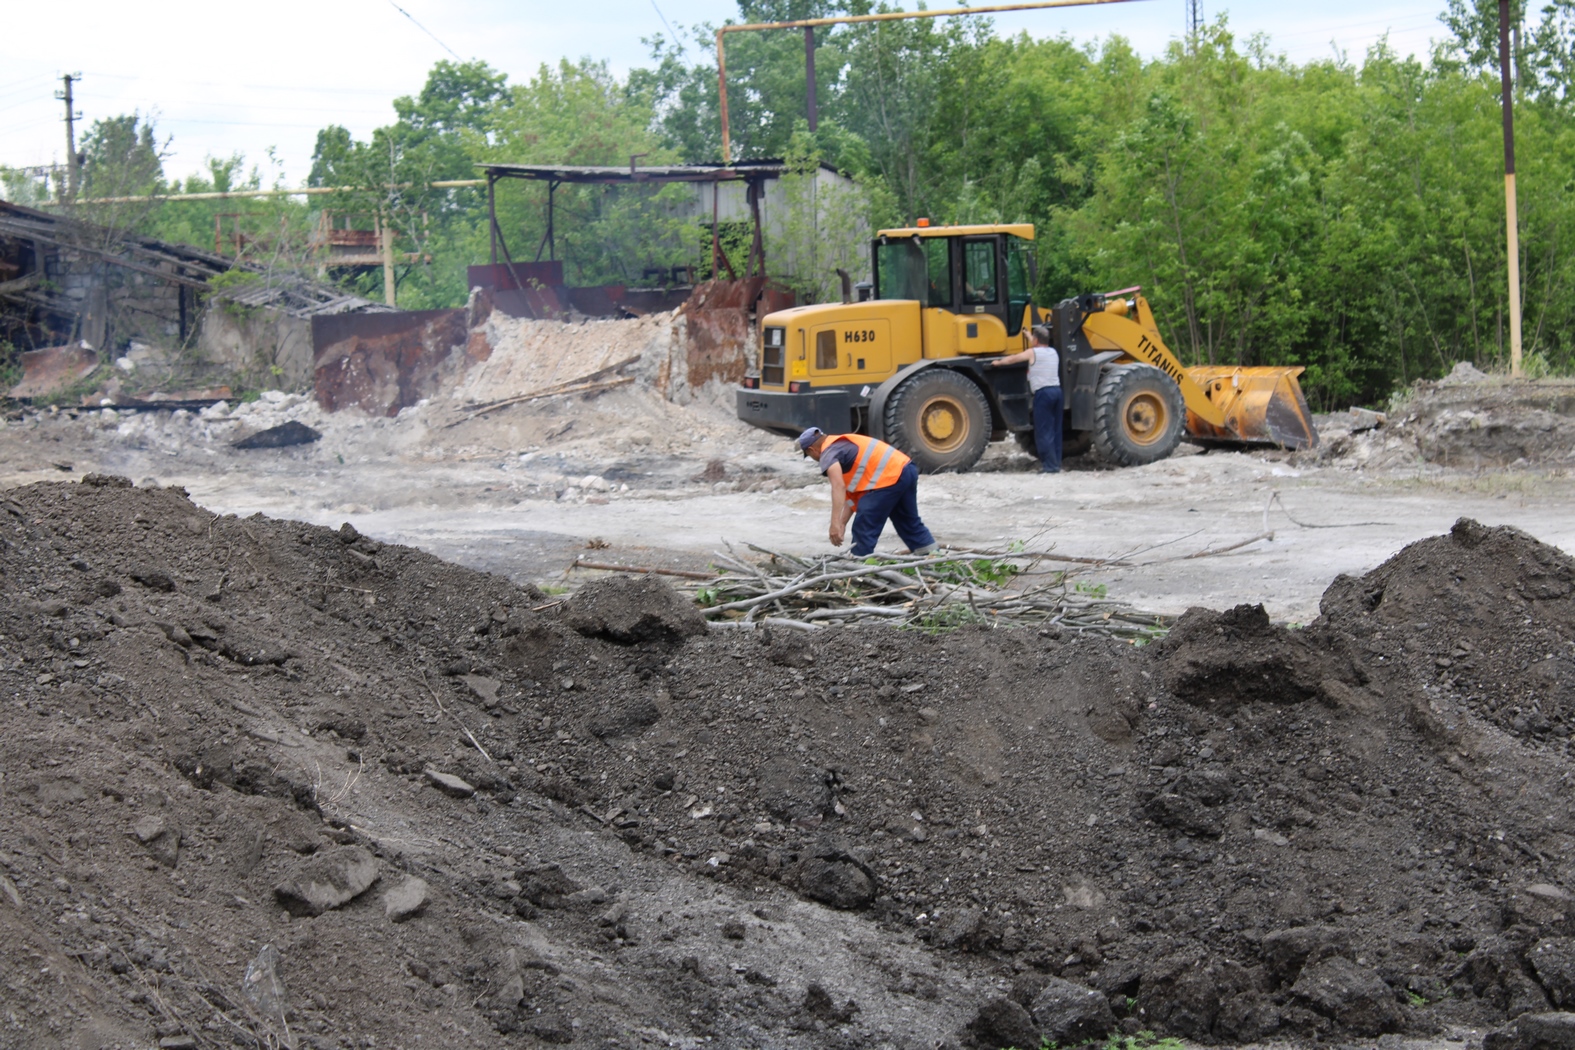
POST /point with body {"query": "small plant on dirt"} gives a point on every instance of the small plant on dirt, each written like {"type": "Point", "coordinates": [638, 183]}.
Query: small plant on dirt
{"type": "Point", "coordinates": [1415, 999]}
{"type": "Point", "coordinates": [944, 620]}
{"type": "Point", "coordinates": [1143, 1041]}
{"type": "Point", "coordinates": [706, 596]}
{"type": "Point", "coordinates": [1092, 590]}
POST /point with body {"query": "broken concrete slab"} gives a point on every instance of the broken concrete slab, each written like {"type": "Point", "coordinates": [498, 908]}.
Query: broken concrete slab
{"type": "Point", "coordinates": [406, 900]}
{"type": "Point", "coordinates": [327, 880]}
{"type": "Point", "coordinates": [485, 689]}
{"type": "Point", "coordinates": [449, 784]}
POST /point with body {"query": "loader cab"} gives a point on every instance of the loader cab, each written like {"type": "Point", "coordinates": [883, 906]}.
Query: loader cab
{"type": "Point", "coordinates": [973, 283]}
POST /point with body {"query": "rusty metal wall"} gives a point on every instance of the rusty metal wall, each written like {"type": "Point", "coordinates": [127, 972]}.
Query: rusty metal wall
{"type": "Point", "coordinates": [721, 329]}
{"type": "Point", "coordinates": [381, 363]}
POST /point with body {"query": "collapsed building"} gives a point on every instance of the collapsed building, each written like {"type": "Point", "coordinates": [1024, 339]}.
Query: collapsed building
{"type": "Point", "coordinates": [76, 297]}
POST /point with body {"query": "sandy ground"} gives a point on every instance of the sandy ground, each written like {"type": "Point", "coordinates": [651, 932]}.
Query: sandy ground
{"type": "Point", "coordinates": [528, 514]}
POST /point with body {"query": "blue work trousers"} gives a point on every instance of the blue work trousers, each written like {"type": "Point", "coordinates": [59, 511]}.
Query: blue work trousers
{"type": "Point", "coordinates": [1047, 428]}
{"type": "Point", "coordinates": [897, 503]}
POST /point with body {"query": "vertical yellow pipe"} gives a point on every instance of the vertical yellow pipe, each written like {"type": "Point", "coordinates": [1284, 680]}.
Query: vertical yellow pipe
{"type": "Point", "coordinates": [1513, 223]}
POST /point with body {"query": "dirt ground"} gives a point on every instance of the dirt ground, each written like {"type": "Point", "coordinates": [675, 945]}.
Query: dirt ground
{"type": "Point", "coordinates": [522, 492]}
{"type": "Point", "coordinates": [270, 781]}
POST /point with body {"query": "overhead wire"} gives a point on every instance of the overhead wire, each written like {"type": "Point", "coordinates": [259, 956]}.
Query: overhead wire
{"type": "Point", "coordinates": [676, 39]}
{"type": "Point", "coordinates": [425, 30]}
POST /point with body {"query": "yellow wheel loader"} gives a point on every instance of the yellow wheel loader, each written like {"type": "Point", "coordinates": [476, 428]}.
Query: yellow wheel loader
{"type": "Point", "coordinates": [908, 363]}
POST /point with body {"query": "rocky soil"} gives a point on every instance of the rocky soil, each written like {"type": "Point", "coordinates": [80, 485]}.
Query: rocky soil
{"type": "Point", "coordinates": [269, 784]}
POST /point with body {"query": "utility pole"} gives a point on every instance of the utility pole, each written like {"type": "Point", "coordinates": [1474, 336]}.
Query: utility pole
{"type": "Point", "coordinates": [809, 77]}
{"type": "Point", "coordinates": [385, 237]}
{"type": "Point", "coordinates": [68, 190]}
{"type": "Point", "coordinates": [1194, 23]}
{"type": "Point", "coordinates": [1511, 219]}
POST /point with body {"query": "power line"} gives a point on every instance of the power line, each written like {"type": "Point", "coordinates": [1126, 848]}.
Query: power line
{"type": "Point", "coordinates": [670, 28]}
{"type": "Point", "coordinates": [425, 30]}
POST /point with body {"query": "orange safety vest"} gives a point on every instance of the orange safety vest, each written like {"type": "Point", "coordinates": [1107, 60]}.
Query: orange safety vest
{"type": "Point", "coordinates": [877, 466]}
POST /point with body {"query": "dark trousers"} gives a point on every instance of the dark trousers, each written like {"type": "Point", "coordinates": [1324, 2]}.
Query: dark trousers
{"type": "Point", "coordinates": [899, 504]}
{"type": "Point", "coordinates": [1047, 428]}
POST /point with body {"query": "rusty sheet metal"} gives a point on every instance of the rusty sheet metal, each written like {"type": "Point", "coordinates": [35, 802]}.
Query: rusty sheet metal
{"type": "Point", "coordinates": [719, 328]}
{"type": "Point", "coordinates": [503, 278]}
{"type": "Point", "coordinates": [381, 363]}
{"type": "Point", "coordinates": [52, 369]}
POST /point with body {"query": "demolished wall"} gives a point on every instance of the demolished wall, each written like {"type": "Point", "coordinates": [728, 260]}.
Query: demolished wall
{"type": "Point", "coordinates": [486, 353]}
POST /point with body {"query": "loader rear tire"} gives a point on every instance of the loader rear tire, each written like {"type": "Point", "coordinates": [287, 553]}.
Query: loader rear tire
{"type": "Point", "coordinates": [1139, 415]}
{"type": "Point", "coordinates": [940, 419]}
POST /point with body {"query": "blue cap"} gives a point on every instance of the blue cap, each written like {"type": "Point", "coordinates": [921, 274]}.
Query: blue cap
{"type": "Point", "coordinates": [807, 438]}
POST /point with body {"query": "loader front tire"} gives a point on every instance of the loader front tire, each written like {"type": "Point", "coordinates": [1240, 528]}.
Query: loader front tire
{"type": "Point", "coordinates": [1139, 415]}
{"type": "Point", "coordinates": [940, 419]}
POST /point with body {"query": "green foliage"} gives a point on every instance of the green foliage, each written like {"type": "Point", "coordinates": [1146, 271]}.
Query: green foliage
{"type": "Point", "coordinates": [1092, 590]}
{"type": "Point", "coordinates": [10, 365]}
{"type": "Point", "coordinates": [1143, 1041]}
{"type": "Point", "coordinates": [826, 224]}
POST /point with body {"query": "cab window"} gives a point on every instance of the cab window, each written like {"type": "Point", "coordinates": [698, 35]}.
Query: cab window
{"type": "Point", "coordinates": [979, 276]}
{"type": "Point", "coordinates": [938, 259]}
{"type": "Point", "coordinates": [1018, 275]}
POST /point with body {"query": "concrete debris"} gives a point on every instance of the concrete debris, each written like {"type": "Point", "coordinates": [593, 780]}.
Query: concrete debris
{"type": "Point", "coordinates": [330, 879]}
{"type": "Point", "coordinates": [405, 900]}
{"type": "Point", "coordinates": [449, 784]}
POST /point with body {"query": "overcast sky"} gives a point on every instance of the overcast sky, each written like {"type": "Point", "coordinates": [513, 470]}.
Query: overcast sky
{"type": "Point", "coordinates": [222, 78]}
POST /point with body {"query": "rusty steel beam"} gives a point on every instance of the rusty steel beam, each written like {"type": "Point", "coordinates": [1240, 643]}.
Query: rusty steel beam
{"type": "Point", "coordinates": [887, 16]}
{"type": "Point", "coordinates": [310, 191]}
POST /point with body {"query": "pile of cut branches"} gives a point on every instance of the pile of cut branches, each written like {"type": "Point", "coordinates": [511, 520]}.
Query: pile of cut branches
{"type": "Point", "coordinates": [935, 592]}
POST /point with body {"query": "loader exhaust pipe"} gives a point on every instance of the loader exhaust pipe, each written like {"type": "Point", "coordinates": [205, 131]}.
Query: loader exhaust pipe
{"type": "Point", "coordinates": [847, 285]}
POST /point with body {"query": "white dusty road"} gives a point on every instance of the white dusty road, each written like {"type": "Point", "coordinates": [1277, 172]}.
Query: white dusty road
{"type": "Point", "coordinates": [529, 520]}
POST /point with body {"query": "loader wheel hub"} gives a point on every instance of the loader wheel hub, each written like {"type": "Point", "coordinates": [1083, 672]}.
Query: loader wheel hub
{"type": "Point", "coordinates": [943, 423]}
{"type": "Point", "coordinates": [1147, 418]}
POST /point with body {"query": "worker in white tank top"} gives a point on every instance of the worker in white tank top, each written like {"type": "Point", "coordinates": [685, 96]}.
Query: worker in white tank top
{"type": "Point", "coordinates": [1044, 379]}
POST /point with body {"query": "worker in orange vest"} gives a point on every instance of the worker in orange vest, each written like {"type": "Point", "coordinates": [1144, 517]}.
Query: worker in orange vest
{"type": "Point", "coordinates": [873, 479]}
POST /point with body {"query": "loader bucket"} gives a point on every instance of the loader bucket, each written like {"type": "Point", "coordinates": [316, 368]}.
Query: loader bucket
{"type": "Point", "coordinates": [1262, 405]}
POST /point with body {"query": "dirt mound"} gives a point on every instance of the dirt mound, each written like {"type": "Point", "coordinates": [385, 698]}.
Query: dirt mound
{"type": "Point", "coordinates": [1482, 615]}
{"type": "Point", "coordinates": [260, 773]}
{"type": "Point", "coordinates": [1222, 660]}
{"type": "Point", "coordinates": [631, 609]}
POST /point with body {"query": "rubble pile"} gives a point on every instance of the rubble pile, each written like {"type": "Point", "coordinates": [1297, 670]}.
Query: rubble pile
{"type": "Point", "coordinates": [1468, 420]}
{"type": "Point", "coordinates": [268, 783]}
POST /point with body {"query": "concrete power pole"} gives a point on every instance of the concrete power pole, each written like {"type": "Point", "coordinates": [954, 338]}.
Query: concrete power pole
{"type": "Point", "coordinates": [68, 192]}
